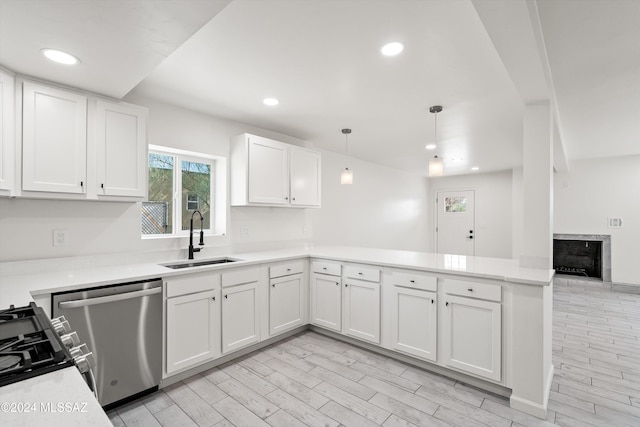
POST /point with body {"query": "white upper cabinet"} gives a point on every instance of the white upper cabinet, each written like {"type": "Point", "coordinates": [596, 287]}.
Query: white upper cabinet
{"type": "Point", "coordinates": [121, 149]}
{"type": "Point", "coordinates": [7, 133]}
{"type": "Point", "coordinates": [54, 140]}
{"type": "Point", "coordinates": [305, 177]}
{"type": "Point", "coordinates": [265, 172]}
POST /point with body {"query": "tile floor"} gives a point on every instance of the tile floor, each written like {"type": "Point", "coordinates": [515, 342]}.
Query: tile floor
{"type": "Point", "coordinates": [312, 380]}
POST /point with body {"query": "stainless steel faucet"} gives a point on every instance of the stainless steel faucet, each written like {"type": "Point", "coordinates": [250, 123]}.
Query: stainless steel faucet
{"type": "Point", "coordinates": [191, 248]}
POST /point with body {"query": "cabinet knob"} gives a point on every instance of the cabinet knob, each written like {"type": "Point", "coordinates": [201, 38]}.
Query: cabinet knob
{"type": "Point", "coordinates": [412, 281]}
{"type": "Point", "coordinates": [273, 285]}
{"type": "Point", "coordinates": [360, 274]}
{"type": "Point", "coordinates": [324, 268]}
{"type": "Point", "coordinates": [286, 198]}
{"type": "Point", "coordinates": [431, 301]}
{"type": "Point", "coordinates": [294, 199]}
{"type": "Point", "coordinates": [226, 297]}
{"type": "Point", "coordinates": [345, 285]}
{"type": "Point", "coordinates": [214, 298]}
{"type": "Point", "coordinates": [102, 185]}
{"type": "Point", "coordinates": [337, 284]}
{"type": "Point", "coordinates": [447, 304]}
{"type": "Point", "coordinates": [81, 183]}
{"type": "Point", "coordinates": [288, 269]}
{"type": "Point", "coordinates": [470, 289]}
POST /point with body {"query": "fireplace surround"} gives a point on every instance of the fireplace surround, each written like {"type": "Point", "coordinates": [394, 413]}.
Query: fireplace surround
{"type": "Point", "coordinates": [583, 255]}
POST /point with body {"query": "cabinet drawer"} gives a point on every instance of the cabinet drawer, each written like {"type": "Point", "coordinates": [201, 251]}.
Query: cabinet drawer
{"type": "Point", "coordinates": [238, 277]}
{"type": "Point", "coordinates": [363, 273]}
{"type": "Point", "coordinates": [286, 269]}
{"type": "Point", "coordinates": [326, 268]}
{"type": "Point", "coordinates": [473, 289]}
{"type": "Point", "coordinates": [192, 283]}
{"type": "Point", "coordinates": [415, 280]}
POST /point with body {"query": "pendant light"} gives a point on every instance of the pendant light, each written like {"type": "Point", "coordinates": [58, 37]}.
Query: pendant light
{"type": "Point", "coordinates": [347, 175]}
{"type": "Point", "coordinates": [436, 166]}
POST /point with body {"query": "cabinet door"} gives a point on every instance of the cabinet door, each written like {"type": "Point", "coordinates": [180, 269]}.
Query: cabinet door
{"type": "Point", "coordinates": [472, 336]}
{"type": "Point", "coordinates": [268, 171]}
{"type": "Point", "coordinates": [240, 317]}
{"type": "Point", "coordinates": [193, 329]}
{"type": "Point", "coordinates": [285, 303]}
{"type": "Point", "coordinates": [7, 132]}
{"type": "Point", "coordinates": [54, 140]}
{"type": "Point", "coordinates": [326, 301]}
{"type": "Point", "coordinates": [121, 150]}
{"type": "Point", "coordinates": [305, 177]}
{"type": "Point", "coordinates": [414, 322]}
{"type": "Point", "coordinates": [362, 310]}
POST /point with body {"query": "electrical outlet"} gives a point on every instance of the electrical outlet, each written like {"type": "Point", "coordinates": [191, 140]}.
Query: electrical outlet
{"type": "Point", "coordinates": [59, 237]}
{"type": "Point", "coordinates": [244, 231]}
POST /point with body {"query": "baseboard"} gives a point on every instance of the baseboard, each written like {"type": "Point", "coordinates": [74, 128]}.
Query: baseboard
{"type": "Point", "coordinates": [625, 288]}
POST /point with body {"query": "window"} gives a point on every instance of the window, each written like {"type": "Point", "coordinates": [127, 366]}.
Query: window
{"type": "Point", "coordinates": [181, 183]}
{"type": "Point", "coordinates": [455, 204]}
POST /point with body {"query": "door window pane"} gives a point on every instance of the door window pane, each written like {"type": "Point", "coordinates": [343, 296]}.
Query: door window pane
{"type": "Point", "coordinates": [196, 193]}
{"type": "Point", "coordinates": [157, 213]}
{"type": "Point", "coordinates": [455, 204]}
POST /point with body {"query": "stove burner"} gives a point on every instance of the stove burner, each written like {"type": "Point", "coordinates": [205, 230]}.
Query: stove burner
{"type": "Point", "coordinates": [9, 361]}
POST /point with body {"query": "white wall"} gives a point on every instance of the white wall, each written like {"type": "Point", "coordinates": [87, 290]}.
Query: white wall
{"type": "Point", "coordinates": [493, 204]}
{"type": "Point", "coordinates": [383, 208]}
{"type": "Point", "coordinates": [594, 190]}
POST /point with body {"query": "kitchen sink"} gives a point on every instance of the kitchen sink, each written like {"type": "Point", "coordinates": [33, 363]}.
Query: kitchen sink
{"type": "Point", "coordinates": [200, 263]}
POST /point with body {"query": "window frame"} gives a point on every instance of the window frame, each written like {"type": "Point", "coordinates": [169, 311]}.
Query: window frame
{"type": "Point", "coordinates": [217, 188]}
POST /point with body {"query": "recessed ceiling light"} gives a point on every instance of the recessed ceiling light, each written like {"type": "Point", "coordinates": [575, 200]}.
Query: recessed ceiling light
{"type": "Point", "coordinates": [475, 168]}
{"type": "Point", "coordinates": [60, 57]}
{"type": "Point", "coordinates": [270, 102]}
{"type": "Point", "coordinates": [392, 49]}
{"type": "Point", "coordinates": [430, 146]}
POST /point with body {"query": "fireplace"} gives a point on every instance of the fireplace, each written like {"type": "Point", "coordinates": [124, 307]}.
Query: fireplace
{"type": "Point", "coordinates": [582, 255]}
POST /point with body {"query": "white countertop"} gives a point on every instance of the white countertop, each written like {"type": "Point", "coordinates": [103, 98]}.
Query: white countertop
{"type": "Point", "coordinates": [57, 399]}
{"type": "Point", "coordinates": [19, 289]}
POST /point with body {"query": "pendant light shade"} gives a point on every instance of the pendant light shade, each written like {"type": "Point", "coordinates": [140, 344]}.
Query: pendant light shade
{"type": "Point", "coordinates": [346, 177]}
{"type": "Point", "coordinates": [436, 165]}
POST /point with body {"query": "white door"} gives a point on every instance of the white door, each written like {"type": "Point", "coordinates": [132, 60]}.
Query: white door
{"type": "Point", "coordinates": [455, 229]}
{"type": "Point", "coordinates": [326, 301]}
{"type": "Point", "coordinates": [54, 140]}
{"type": "Point", "coordinates": [305, 177]}
{"type": "Point", "coordinates": [362, 310]}
{"type": "Point", "coordinates": [193, 329]}
{"type": "Point", "coordinates": [472, 338]}
{"type": "Point", "coordinates": [414, 322]}
{"type": "Point", "coordinates": [240, 318]}
{"type": "Point", "coordinates": [268, 171]}
{"type": "Point", "coordinates": [121, 149]}
{"type": "Point", "coordinates": [285, 303]}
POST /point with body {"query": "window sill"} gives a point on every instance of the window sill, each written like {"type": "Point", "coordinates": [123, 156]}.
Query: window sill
{"type": "Point", "coordinates": [177, 236]}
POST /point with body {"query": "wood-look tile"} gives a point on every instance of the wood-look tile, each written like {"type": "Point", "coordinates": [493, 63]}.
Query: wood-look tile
{"type": "Point", "coordinates": [395, 421]}
{"type": "Point", "coordinates": [115, 419]}
{"type": "Point", "coordinates": [282, 419]}
{"type": "Point", "coordinates": [625, 408]}
{"type": "Point", "coordinates": [174, 416]}
{"type": "Point", "coordinates": [256, 367]}
{"type": "Point", "coordinates": [224, 423]}
{"type": "Point", "coordinates": [300, 410]}
{"type": "Point", "coordinates": [404, 411]}
{"type": "Point", "coordinates": [157, 401]}
{"type": "Point", "coordinates": [514, 415]}
{"type": "Point", "coordinates": [614, 417]}
{"type": "Point", "coordinates": [136, 414]}
{"type": "Point", "coordinates": [192, 404]}
{"type": "Point", "coordinates": [215, 375]}
{"type": "Point", "coordinates": [425, 405]}
{"type": "Point", "coordinates": [422, 377]}
{"type": "Point", "coordinates": [346, 371]}
{"type": "Point", "coordinates": [372, 371]}
{"type": "Point", "coordinates": [208, 391]}
{"type": "Point", "coordinates": [295, 361]}
{"type": "Point", "coordinates": [294, 388]}
{"type": "Point", "coordinates": [355, 404]}
{"type": "Point", "coordinates": [346, 416]}
{"type": "Point", "coordinates": [456, 418]}
{"type": "Point", "coordinates": [452, 392]}
{"type": "Point", "coordinates": [343, 383]}
{"type": "Point", "coordinates": [381, 362]}
{"type": "Point", "coordinates": [248, 378]}
{"type": "Point", "coordinates": [328, 354]}
{"type": "Point", "coordinates": [294, 373]}
{"type": "Point", "coordinates": [326, 342]}
{"type": "Point", "coordinates": [588, 417]}
{"type": "Point", "coordinates": [566, 421]}
{"type": "Point", "coordinates": [290, 346]}
{"type": "Point", "coordinates": [248, 398]}
{"type": "Point", "coordinates": [571, 388]}
{"type": "Point", "coordinates": [237, 414]}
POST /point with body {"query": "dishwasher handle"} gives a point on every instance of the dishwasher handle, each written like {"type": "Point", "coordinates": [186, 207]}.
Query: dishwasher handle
{"type": "Point", "coordinates": [109, 298]}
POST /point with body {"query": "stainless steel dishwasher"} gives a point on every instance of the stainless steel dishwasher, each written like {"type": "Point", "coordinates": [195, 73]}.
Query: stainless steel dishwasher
{"type": "Point", "coordinates": [122, 326]}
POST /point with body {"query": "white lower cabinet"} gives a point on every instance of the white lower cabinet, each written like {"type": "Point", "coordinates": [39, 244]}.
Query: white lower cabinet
{"type": "Point", "coordinates": [326, 301]}
{"type": "Point", "coordinates": [287, 297]}
{"type": "Point", "coordinates": [414, 322]}
{"type": "Point", "coordinates": [240, 317]}
{"type": "Point", "coordinates": [472, 338]}
{"type": "Point", "coordinates": [362, 310]}
{"type": "Point", "coordinates": [192, 321]}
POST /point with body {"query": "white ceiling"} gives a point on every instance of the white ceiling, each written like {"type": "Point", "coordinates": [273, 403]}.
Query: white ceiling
{"type": "Point", "coordinates": [321, 59]}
